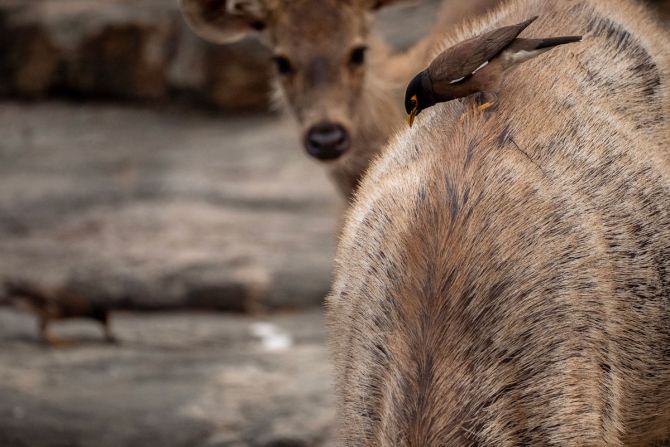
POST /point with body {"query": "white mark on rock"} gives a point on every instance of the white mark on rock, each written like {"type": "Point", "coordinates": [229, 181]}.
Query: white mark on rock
{"type": "Point", "coordinates": [272, 337]}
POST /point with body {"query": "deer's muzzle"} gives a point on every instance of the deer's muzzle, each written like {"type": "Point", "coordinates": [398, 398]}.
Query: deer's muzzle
{"type": "Point", "coordinates": [327, 141]}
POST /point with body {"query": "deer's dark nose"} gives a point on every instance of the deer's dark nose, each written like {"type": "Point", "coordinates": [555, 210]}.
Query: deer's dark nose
{"type": "Point", "coordinates": [326, 141]}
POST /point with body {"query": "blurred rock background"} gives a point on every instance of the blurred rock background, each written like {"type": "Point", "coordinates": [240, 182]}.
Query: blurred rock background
{"type": "Point", "coordinates": [123, 49]}
{"type": "Point", "coordinates": [139, 166]}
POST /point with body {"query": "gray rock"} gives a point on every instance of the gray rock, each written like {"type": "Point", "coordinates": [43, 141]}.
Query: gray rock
{"type": "Point", "coordinates": [175, 380]}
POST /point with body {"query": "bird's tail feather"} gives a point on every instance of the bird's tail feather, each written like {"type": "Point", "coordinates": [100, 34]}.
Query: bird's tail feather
{"type": "Point", "coordinates": [554, 41]}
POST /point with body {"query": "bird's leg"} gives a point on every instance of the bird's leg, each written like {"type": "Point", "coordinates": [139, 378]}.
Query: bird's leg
{"type": "Point", "coordinates": [43, 327]}
{"type": "Point", "coordinates": [486, 101]}
{"type": "Point", "coordinates": [109, 335]}
{"type": "Point", "coordinates": [47, 337]}
{"type": "Point", "coordinates": [103, 318]}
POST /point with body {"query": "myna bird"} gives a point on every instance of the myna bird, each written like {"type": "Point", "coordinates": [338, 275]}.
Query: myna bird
{"type": "Point", "coordinates": [476, 65]}
{"type": "Point", "coordinates": [57, 304]}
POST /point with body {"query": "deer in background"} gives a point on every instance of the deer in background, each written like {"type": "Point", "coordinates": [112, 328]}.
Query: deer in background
{"type": "Point", "coordinates": [344, 86]}
{"type": "Point", "coordinates": [503, 278]}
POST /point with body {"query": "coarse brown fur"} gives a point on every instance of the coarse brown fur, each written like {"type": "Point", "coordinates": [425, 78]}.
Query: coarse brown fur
{"type": "Point", "coordinates": [317, 37]}
{"type": "Point", "coordinates": [503, 279]}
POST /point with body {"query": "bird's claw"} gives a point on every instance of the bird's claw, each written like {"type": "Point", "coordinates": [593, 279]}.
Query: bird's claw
{"type": "Point", "coordinates": [485, 106]}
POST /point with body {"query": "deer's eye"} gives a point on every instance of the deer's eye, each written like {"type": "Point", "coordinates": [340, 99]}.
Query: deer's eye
{"type": "Point", "coordinates": [357, 56]}
{"type": "Point", "coordinates": [284, 66]}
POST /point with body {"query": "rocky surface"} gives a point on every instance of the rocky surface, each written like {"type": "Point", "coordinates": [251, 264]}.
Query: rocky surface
{"type": "Point", "coordinates": [154, 209]}
{"type": "Point", "coordinates": [128, 49]}
{"type": "Point", "coordinates": [175, 380]}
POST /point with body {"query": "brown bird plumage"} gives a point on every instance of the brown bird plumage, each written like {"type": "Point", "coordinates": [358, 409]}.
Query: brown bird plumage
{"type": "Point", "coordinates": [476, 65]}
{"type": "Point", "coordinates": [464, 58]}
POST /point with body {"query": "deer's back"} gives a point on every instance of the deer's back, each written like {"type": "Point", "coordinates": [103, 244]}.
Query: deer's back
{"type": "Point", "coordinates": [504, 279]}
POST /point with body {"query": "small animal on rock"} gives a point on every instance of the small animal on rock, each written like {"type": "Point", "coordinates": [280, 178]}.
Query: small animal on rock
{"type": "Point", "coordinates": [57, 304]}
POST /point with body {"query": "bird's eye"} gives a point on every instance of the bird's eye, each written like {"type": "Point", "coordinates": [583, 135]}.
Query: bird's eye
{"type": "Point", "coordinates": [284, 66]}
{"type": "Point", "coordinates": [357, 57]}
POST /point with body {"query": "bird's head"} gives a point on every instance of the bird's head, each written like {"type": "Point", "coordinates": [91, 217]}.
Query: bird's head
{"type": "Point", "coordinates": [418, 96]}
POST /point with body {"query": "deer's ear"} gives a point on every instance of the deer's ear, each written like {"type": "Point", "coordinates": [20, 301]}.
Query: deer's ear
{"type": "Point", "coordinates": [224, 21]}
{"type": "Point", "coordinates": [378, 4]}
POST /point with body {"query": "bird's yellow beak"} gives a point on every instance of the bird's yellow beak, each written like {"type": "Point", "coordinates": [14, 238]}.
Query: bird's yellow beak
{"type": "Point", "coordinates": [413, 113]}
{"type": "Point", "coordinates": [411, 116]}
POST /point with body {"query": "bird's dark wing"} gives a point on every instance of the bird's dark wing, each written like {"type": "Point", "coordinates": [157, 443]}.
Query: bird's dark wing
{"type": "Point", "coordinates": [465, 57]}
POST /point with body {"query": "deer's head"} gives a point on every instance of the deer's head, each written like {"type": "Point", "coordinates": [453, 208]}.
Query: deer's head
{"type": "Point", "coordinates": [320, 50]}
